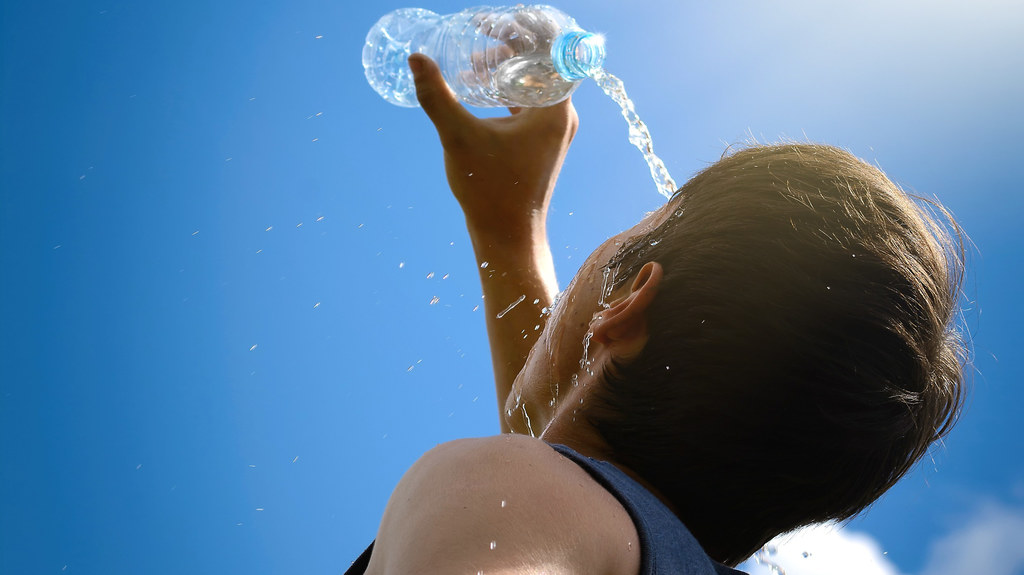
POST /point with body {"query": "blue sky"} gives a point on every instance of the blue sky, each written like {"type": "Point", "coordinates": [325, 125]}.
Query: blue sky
{"type": "Point", "coordinates": [218, 351]}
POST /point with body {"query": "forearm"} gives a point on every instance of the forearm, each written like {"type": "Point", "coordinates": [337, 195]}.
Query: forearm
{"type": "Point", "coordinates": [503, 171]}
{"type": "Point", "coordinates": [518, 280]}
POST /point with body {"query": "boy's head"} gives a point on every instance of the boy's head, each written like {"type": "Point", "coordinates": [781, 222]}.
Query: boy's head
{"type": "Point", "coordinates": [802, 354]}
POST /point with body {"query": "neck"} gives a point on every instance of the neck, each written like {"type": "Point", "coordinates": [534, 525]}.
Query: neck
{"type": "Point", "coordinates": [577, 433]}
{"type": "Point", "coordinates": [570, 427]}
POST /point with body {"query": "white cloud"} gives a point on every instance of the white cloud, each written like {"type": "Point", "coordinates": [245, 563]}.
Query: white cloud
{"type": "Point", "coordinates": [825, 549]}
{"type": "Point", "coordinates": [989, 541]}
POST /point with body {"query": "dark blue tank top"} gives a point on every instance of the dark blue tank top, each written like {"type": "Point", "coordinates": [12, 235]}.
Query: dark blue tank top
{"type": "Point", "coordinates": [666, 545]}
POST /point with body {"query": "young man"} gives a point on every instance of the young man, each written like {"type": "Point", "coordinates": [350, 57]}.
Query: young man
{"type": "Point", "coordinates": [773, 347]}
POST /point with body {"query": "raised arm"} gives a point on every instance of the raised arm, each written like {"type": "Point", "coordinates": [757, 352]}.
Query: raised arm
{"type": "Point", "coordinates": [502, 171]}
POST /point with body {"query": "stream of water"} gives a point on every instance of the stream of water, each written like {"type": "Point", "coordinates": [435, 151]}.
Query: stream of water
{"type": "Point", "coordinates": [639, 135]}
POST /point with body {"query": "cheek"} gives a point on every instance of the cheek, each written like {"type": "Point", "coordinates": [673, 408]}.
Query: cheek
{"type": "Point", "coordinates": [566, 345]}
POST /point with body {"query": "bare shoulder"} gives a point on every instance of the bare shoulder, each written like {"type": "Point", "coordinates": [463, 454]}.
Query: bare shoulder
{"type": "Point", "coordinates": [502, 505]}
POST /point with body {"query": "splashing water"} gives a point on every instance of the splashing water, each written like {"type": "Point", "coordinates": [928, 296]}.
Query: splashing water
{"type": "Point", "coordinates": [511, 306]}
{"type": "Point", "coordinates": [605, 288]}
{"type": "Point", "coordinates": [639, 135]}
{"type": "Point", "coordinates": [529, 424]}
{"type": "Point", "coordinates": [586, 346]}
{"type": "Point", "coordinates": [608, 277]}
{"type": "Point", "coordinates": [765, 556]}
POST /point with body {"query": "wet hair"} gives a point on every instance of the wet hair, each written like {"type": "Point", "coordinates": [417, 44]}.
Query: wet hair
{"type": "Point", "coordinates": [804, 351]}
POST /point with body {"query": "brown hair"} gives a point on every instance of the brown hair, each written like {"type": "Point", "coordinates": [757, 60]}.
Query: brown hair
{"type": "Point", "coordinates": [803, 354]}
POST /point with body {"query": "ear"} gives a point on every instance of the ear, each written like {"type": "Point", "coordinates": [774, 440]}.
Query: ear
{"type": "Point", "coordinates": [623, 326]}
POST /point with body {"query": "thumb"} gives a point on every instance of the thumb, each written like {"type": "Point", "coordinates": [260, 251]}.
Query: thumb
{"type": "Point", "coordinates": [435, 96]}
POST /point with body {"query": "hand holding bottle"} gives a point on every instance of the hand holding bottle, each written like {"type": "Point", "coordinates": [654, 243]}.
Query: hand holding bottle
{"type": "Point", "coordinates": [501, 170]}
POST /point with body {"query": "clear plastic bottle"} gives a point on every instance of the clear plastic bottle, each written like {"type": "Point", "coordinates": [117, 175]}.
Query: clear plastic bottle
{"type": "Point", "coordinates": [527, 56]}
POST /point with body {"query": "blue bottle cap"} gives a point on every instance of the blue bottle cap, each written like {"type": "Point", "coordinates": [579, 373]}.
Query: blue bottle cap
{"type": "Point", "coordinates": [577, 54]}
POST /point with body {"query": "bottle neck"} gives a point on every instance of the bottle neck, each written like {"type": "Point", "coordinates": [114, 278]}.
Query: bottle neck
{"type": "Point", "coordinates": [577, 54]}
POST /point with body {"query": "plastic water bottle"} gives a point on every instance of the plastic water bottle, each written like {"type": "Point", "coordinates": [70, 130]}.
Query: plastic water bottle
{"type": "Point", "coordinates": [527, 56]}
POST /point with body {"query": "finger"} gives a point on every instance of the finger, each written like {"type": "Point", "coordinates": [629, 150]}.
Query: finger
{"type": "Point", "coordinates": [500, 26]}
{"type": "Point", "coordinates": [519, 29]}
{"type": "Point", "coordinates": [437, 99]}
{"type": "Point", "coordinates": [562, 113]}
{"type": "Point", "coordinates": [560, 118]}
{"type": "Point", "coordinates": [490, 59]}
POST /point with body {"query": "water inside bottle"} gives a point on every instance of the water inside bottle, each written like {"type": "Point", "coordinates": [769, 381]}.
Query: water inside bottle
{"type": "Point", "coordinates": [531, 81]}
{"type": "Point", "coordinates": [639, 135]}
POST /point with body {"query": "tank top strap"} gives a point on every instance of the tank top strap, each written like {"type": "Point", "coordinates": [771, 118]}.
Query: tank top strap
{"type": "Point", "coordinates": [666, 546]}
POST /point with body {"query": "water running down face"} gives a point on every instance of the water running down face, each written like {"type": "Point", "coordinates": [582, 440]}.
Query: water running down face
{"type": "Point", "coordinates": [558, 366]}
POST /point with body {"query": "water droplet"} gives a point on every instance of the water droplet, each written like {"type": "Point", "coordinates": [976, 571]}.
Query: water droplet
{"type": "Point", "coordinates": [316, 305]}
{"type": "Point", "coordinates": [434, 300]}
{"type": "Point", "coordinates": [430, 275]}
{"type": "Point", "coordinates": [493, 544]}
{"type": "Point", "coordinates": [470, 174]}
{"type": "Point", "coordinates": [444, 277]}
{"type": "Point", "coordinates": [253, 347]}
{"type": "Point", "coordinates": [503, 503]}
{"type": "Point", "coordinates": [484, 265]}
{"type": "Point", "coordinates": [401, 265]}
{"type": "Point", "coordinates": [476, 307]}
{"type": "Point", "coordinates": [510, 306]}
{"type": "Point", "coordinates": [806, 554]}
